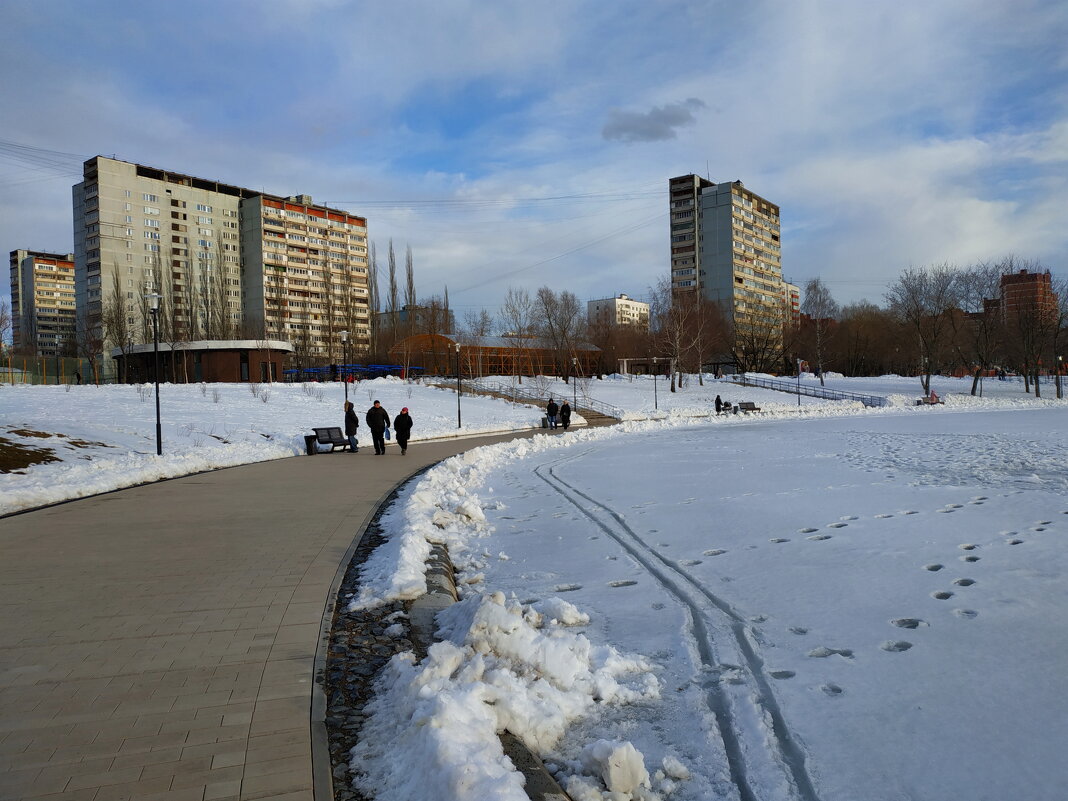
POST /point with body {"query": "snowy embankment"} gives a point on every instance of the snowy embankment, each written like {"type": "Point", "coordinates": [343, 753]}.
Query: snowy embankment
{"type": "Point", "coordinates": [104, 438]}
{"type": "Point", "coordinates": [449, 505]}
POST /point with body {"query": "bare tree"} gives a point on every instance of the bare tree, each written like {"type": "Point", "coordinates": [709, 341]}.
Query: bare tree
{"type": "Point", "coordinates": [823, 311]}
{"type": "Point", "coordinates": [672, 315]}
{"type": "Point", "coordinates": [90, 340]}
{"type": "Point", "coordinates": [977, 328]}
{"type": "Point", "coordinates": [117, 313]}
{"type": "Point", "coordinates": [373, 299]}
{"type": "Point", "coordinates": [517, 320]}
{"type": "Point", "coordinates": [409, 290]}
{"type": "Point", "coordinates": [392, 300]}
{"type": "Point", "coordinates": [478, 324]}
{"type": "Point", "coordinates": [923, 299]}
{"type": "Point", "coordinates": [562, 322]}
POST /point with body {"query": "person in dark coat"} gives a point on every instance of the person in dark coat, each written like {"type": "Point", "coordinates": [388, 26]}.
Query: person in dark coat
{"type": "Point", "coordinates": [378, 421]}
{"type": "Point", "coordinates": [402, 425]}
{"type": "Point", "coordinates": [719, 405]}
{"type": "Point", "coordinates": [550, 412]}
{"type": "Point", "coordinates": [352, 422]}
{"type": "Point", "coordinates": [565, 415]}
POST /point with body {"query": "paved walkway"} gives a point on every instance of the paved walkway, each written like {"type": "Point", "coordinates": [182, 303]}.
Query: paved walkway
{"type": "Point", "coordinates": [160, 641]}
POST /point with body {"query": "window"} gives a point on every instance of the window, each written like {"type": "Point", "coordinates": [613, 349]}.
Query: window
{"type": "Point", "coordinates": [204, 220]}
{"type": "Point", "coordinates": [151, 210]}
{"type": "Point", "coordinates": [202, 207]}
{"type": "Point", "coordinates": [147, 197]}
{"type": "Point", "coordinates": [152, 223]}
{"type": "Point", "coordinates": [151, 234]}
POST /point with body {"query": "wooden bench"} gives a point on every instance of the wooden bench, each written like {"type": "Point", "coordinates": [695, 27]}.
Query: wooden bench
{"type": "Point", "coordinates": [926, 401]}
{"type": "Point", "coordinates": [332, 437]}
{"type": "Point", "coordinates": [746, 406]}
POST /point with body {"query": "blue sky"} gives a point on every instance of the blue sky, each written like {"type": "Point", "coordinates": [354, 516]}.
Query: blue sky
{"type": "Point", "coordinates": [525, 144]}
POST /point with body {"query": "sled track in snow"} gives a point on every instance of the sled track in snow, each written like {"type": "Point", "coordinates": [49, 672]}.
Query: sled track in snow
{"type": "Point", "coordinates": [708, 613]}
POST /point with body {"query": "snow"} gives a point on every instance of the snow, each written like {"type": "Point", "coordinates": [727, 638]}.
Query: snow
{"type": "Point", "coordinates": [825, 602]}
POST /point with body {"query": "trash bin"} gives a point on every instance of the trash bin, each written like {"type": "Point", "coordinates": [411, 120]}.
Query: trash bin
{"type": "Point", "coordinates": [544, 421]}
{"type": "Point", "coordinates": [310, 445]}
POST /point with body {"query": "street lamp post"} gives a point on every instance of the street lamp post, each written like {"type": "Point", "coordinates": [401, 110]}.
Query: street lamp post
{"type": "Point", "coordinates": [345, 357]}
{"type": "Point", "coordinates": [459, 387]}
{"type": "Point", "coordinates": [1060, 364]}
{"type": "Point", "coordinates": [799, 383]}
{"type": "Point", "coordinates": [153, 300]}
{"type": "Point", "coordinates": [574, 384]}
{"type": "Point", "coordinates": [656, 370]}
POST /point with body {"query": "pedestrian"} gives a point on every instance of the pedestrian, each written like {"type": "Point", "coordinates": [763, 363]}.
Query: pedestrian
{"type": "Point", "coordinates": [352, 422]}
{"type": "Point", "coordinates": [378, 421]}
{"type": "Point", "coordinates": [719, 404]}
{"type": "Point", "coordinates": [402, 426]}
{"type": "Point", "coordinates": [565, 415]}
{"type": "Point", "coordinates": [550, 412]}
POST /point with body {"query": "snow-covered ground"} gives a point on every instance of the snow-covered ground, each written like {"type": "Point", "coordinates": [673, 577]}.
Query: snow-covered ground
{"type": "Point", "coordinates": [832, 604]}
{"type": "Point", "coordinates": [104, 437]}
{"type": "Point", "coordinates": [825, 602]}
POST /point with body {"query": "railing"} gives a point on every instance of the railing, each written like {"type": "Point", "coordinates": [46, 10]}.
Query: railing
{"type": "Point", "coordinates": [794, 388]}
{"type": "Point", "coordinates": [517, 394]}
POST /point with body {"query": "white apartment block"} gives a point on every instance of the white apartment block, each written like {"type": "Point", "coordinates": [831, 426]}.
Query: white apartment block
{"type": "Point", "coordinates": [43, 306]}
{"type": "Point", "coordinates": [618, 311]}
{"type": "Point", "coordinates": [213, 252]}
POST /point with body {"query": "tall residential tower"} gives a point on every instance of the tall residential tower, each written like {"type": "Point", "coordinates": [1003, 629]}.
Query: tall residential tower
{"type": "Point", "coordinates": [725, 245]}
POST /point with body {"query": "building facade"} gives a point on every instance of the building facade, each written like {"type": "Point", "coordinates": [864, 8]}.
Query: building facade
{"type": "Point", "coordinates": [725, 244]}
{"type": "Point", "coordinates": [618, 311]}
{"type": "Point", "coordinates": [43, 305]}
{"type": "Point", "coordinates": [226, 261]}
{"type": "Point", "coordinates": [1027, 294]}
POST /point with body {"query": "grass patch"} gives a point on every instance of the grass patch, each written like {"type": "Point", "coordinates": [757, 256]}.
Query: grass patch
{"type": "Point", "coordinates": [15, 456]}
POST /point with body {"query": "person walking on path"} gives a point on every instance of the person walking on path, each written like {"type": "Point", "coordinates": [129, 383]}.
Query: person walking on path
{"type": "Point", "coordinates": [378, 421]}
{"type": "Point", "coordinates": [550, 412]}
{"type": "Point", "coordinates": [719, 405]}
{"type": "Point", "coordinates": [565, 415]}
{"type": "Point", "coordinates": [352, 422]}
{"type": "Point", "coordinates": [402, 425]}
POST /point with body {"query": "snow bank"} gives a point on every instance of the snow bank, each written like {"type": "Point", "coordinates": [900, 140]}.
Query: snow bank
{"type": "Point", "coordinates": [431, 730]}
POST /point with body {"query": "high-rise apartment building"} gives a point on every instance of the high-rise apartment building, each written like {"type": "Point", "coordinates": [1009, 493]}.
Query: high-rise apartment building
{"type": "Point", "coordinates": [618, 311]}
{"type": "Point", "coordinates": [227, 261]}
{"type": "Point", "coordinates": [725, 245]}
{"type": "Point", "coordinates": [1028, 295]}
{"type": "Point", "coordinates": [42, 301]}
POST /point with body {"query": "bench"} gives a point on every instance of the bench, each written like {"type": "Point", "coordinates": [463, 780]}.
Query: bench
{"type": "Point", "coordinates": [925, 401]}
{"type": "Point", "coordinates": [746, 406]}
{"type": "Point", "coordinates": [332, 437]}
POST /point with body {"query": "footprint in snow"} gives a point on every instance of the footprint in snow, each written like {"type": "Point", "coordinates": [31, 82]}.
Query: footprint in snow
{"type": "Point", "coordinates": [622, 583]}
{"type": "Point", "coordinates": [933, 568]}
{"type": "Point", "coordinates": [964, 582]}
{"type": "Point", "coordinates": [798, 630]}
{"type": "Point", "coordinates": [848, 517]}
{"type": "Point", "coordinates": [715, 552]}
{"type": "Point", "coordinates": [967, 546]}
{"type": "Point", "coordinates": [690, 562]}
{"type": "Point", "coordinates": [778, 539]}
{"type": "Point", "coordinates": [942, 596]}
{"type": "Point", "coordinates": [965, 613]}
{"type": "Point", "coordinates": [969, 558]}
{"type": "Point", "coordinates": [882, 517]}
{"type": "Point", "coordinates": [837, 525]}
{"type": "Point", "coordinates": [896, 646]}
{"type": "Point", "coordinates": [909, 512]}
{"type": "Point", "coordinates": [1015, 542]}
{"type": "Point", "coordinates": [908, 623]}
{"type": "Point", "coordinates": [832, 690]}
{"type": "Point", "coordinates": [567, 587]}
{"type": "Point", "coordinates": [806, 530]}
{"type": "Point", "coordinates": [782, 674]}
{"type": "Point", "coordinates": [823, 652]}
{"type": "Point", "coordinates": [817, 537]}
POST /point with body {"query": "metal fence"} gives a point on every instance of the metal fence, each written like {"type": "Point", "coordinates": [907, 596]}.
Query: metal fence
{"type": "Point", "coordinates": [796, 388]}
{"type": "Point", "coordinates": [16, 369]}
{"type": "Point", "coordinates": [519, 395]}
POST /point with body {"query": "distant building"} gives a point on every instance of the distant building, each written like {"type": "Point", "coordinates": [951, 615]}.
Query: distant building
{"type": "Point", "coordinates": [618, 311]}
{"type": "Point", "coordinates": [43, 306]}
{"type": "Point", "coordinates": [791, 296]}
{"type": "Point", "coordinates": [725, 244]}
{"type": "Point", "coordinates": [1027, 294]}
{"type": "Point", "coordinates": [226, 260]}
{"type": "Point", "coordinates": [208, 361]}
{"type": "Point", "coordinates": [482, 356]}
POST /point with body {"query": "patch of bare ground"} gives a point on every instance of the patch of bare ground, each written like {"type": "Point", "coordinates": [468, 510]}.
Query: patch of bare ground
{"type": "Point", "coordinates": [16, 456]}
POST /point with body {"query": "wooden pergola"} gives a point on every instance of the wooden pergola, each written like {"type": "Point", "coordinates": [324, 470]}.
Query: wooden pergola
{"type": "Point", "coordinates": [479, 356]}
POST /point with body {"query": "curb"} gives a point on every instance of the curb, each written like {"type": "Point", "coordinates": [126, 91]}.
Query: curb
{"type": "Point", "coordinates": [441, 593]}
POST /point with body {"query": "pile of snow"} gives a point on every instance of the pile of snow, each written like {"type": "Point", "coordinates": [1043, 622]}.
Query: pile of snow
{"type": "Point", "coordinates": [432, 729]}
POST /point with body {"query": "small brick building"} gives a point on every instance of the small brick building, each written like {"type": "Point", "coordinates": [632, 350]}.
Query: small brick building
{"type": "Point", "coordinates": [212, 361]}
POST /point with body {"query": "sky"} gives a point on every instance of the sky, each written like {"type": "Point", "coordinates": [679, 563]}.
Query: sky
{"type": "Point", "coordinates": [526, 145]}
